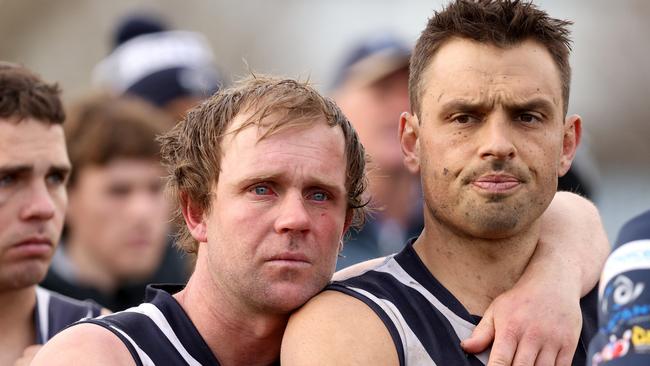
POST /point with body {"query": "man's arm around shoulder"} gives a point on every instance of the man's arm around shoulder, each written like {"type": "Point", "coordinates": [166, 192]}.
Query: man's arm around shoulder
{"type": "Point", "coordinates": [87, 344]}
{"type": "Point", "coordinates": [337, 329]}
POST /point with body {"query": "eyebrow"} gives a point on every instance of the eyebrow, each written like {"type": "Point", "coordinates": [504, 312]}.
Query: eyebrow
{"type": "Point", "coordinates": [15, 169]}
{"type": "Point", "coordinates": [468, 106]}
{"type": "Point", "coordinates": [22, 169]}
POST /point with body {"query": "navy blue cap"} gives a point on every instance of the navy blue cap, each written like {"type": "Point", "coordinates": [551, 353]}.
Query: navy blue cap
{"type": "Point", "coordinates": [134, 25]}
{"type": "Point", "coordinates": [163, 86]}
{"type": "Point", "coordinates": [373, 58]}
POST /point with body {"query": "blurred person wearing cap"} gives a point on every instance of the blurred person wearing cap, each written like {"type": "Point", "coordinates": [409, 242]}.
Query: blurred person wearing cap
{"type": "Point", "coordinates": [172, 69]}
{"type": "Point", "coordinates": [371, 87]}
{"type": "Point", "coordinates": [117, 220]}
{"type": "Point", "coordinates": [623, 337]}
{"type": "Point", "coordinates": [34, 169]}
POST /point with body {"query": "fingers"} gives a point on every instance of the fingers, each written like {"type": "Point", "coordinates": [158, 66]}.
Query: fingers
{"type": "Point", "coordinates": [527, 352]}
{"type": "Point", "coordinates": [546, 357]}
{"type": "Point", "coordinates": [504, 347]}
{"type": "Point", "coordinates": [482, 336]}
{"type": "Point", "coordinates": [565, 357]}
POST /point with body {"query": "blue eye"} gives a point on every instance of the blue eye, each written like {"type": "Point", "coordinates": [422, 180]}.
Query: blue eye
{"type": "Point", "coordinates": [320, 196]}
{"type": "Point", "coordinates": [261, 190]}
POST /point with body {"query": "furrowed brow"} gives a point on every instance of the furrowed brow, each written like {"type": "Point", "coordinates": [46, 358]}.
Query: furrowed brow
{"type": "Point", "coordinates": [15, 169]}
{"type": "Point", "coordinates": [537, 104]}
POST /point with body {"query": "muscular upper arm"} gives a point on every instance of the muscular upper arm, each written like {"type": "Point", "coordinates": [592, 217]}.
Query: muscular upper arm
{"type": "Point", "coordinates": [88, 344]}
{"type": "Point", "coordinates": [337, 329]}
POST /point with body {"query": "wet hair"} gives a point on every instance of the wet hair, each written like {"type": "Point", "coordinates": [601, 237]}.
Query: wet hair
{"type": "Point", "coordinates": [192, 150]}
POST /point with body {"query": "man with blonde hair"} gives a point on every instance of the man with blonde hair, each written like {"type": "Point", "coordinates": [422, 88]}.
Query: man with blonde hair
{"type": "Point", "coordinates": [268, 177]}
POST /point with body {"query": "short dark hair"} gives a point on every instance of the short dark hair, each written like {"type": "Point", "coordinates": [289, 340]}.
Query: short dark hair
{"type": "Point", "coordinates": [192, 150]}
{"type": "Point", "coordinates": [103, 128]}
{"type": "Point", "coordinates": [503, 23]}
{"type": "Point", "coordinates": [24, 95]}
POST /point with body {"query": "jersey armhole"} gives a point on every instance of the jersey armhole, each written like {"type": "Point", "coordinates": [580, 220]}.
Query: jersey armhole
{"type": "Point", "coordinates": [388, 322]}
{"type": "Point", "coordinates": [127, 343]}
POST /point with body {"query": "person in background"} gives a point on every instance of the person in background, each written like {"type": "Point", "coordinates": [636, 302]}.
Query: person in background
{"type": "Point", "coordinates": [371, 87]}
{"type": "Point", "coordinates": [34, 169]}
{"type": "Point", "coordinates": [623, 337]}
{"type": "Point", "coordinates": [117, 219]}
{"type": "Point", "coordinates": [172, 69]}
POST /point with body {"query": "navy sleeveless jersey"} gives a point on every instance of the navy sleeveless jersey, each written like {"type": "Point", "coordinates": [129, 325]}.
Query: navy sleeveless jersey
{"type": "Point", "coordinates": [158, 332]}
{"type": "Point", "coordinates": [425, 321]}
{"type": "Point", "coordinates": [623, 337]}
{"type": "Point", "coordinates": [54, 312]}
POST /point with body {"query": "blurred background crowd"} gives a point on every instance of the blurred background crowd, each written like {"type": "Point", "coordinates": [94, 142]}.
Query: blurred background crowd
{"type": "Point", "coordinates": [166, 56]}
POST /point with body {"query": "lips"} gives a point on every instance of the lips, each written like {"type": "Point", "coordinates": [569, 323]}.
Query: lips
{"type": "Point", "coordinates": [497, 183]}
{"type": "Point", "coordinates": [289, 260]}
{"type": "Point", "coordinates": [32, 246]}
{"type": "Point", "coordinates": [295, 257]}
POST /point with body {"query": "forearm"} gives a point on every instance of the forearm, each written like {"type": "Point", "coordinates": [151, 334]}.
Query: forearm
{"type": "Point", "coordinates": [573, 243]}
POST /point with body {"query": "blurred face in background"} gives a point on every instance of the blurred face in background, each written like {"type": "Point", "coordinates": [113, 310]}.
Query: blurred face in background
{"type": "Point", "coordinates": [34, 168]}
{"type": "Point", "coordinates": [374, 110]}
{"type": "Point", "coordinates": [118, 212]}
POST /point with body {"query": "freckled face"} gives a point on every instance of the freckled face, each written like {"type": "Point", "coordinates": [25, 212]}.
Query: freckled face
{"type": "Point", "coordinates": [278, 214]}
{"type": "Point", "coordinates": [491, 136]}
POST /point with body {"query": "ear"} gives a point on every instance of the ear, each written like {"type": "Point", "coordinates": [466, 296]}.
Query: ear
{"type": "Point", "coordinates": [409, 128]}
{"type": "Point", "coordinates": [570, 142]}
{"type": "Point", "coordinates": [193, 216]}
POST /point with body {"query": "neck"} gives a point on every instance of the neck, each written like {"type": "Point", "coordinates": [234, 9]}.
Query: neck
{"type": "Point", "coordinates": [475, 270]}
{"type": "Point", "coordinates": [17, 323]}
{"type": "Point", "coordinates": [87, 269]}
{"type": "Point", "coordinates": [235, 335]}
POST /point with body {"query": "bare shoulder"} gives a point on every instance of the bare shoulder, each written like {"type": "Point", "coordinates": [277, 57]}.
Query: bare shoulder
{"type": "Point", "coordinates": [336, 329]}
{"type": "Point", "coordinates": [88, 342]}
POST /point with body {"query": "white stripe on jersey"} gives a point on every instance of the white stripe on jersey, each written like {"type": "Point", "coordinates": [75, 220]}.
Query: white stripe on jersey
{"type": "Point", "coordinates": [42, 304]}
{"type": "Point", "coordinates": [144, 357]}
{"type": "Point", "coordinates": [462, 327]}
{"type": "Point", "coordinates": [159, 319]}
{"type": "Point", "coordinates": [414, 352]}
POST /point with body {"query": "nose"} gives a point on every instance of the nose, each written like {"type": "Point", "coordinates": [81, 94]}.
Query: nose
{"type": "Point", "coordinates": [497, 140]}
{"type": "Point", "coordinates": [292, 215]}
{"type": "Point", "coordinates": [143, 205]}
{"type": "Point", "coordinates": [39, 204]}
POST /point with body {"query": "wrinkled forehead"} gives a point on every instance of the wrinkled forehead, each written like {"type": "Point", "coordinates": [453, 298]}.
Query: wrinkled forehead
{"type": "Point", "coordinates": [474, 68]}
{"type": "Point", "coordinates": [33, 144]}
{"type": "Point", "coordinates": [270, 124]}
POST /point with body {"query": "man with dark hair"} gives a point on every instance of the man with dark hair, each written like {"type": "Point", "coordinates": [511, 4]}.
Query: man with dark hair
{"type": "Point", "coordinates": [34, 168]}
{"type": "Point", "coordinates": [117, 220]}
{"type": "Point", "coordinates": [489, 88]}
